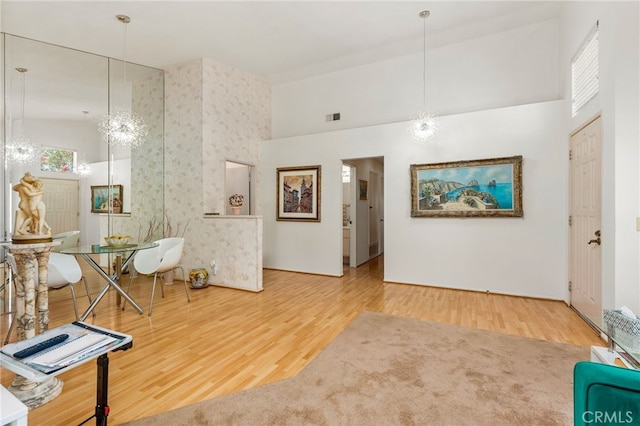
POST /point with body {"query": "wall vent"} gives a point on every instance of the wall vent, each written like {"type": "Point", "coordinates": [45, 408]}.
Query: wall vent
{"type": "Point", "coordinates": [333, 117]}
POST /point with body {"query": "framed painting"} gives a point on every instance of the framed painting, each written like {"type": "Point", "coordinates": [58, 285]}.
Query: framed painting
{"type": "Point", "coordinates": [477, 188]}
{"type": "Point", "coordinates": [298, 194]}
{"type": "Point", "coordinates": [105, 196]}
{"type": "Point", "coordinates": [362, 186]}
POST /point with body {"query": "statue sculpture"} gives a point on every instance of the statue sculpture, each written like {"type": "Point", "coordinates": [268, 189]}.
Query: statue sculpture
{"type": "Point", "coordinates": [30, 224]}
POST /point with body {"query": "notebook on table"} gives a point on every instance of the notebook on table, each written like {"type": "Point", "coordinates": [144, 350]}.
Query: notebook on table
{"type": "Point", "coordinates": [84, 342]}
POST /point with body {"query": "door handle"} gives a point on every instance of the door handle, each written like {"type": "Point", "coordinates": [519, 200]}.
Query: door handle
{"type": "Point", "coordinates": [597, 240]}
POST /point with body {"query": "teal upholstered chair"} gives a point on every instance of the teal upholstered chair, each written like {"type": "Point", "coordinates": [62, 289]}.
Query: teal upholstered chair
{"type": "Point", "coordinates": [605, 395]}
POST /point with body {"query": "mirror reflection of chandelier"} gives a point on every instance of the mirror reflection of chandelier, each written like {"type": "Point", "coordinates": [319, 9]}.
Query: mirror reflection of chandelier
{"type": "Point", "coordinates": [425, 124]}
{"type": "Point", "coordinates": [83, 169]}
{"type": "Point", "coordinates": [123, 127]}
{"type": "Point", "coordinates": [20, 149]}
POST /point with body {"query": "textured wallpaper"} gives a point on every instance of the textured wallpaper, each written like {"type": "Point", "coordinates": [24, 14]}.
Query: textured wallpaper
{"type": "Point", "coordinates": [147, 161]}
{"type": "Point", "coordinates": [214, 113]}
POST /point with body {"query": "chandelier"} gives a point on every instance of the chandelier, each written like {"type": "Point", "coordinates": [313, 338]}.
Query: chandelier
{"type": "Point", "coordinates": [20, 149]}
{"type": "Point", "coordinates": [83, 169]}
{"type": "Point", "coordinates": [425, 124]}
{"type": "Point", "coordinates": [123, 127]}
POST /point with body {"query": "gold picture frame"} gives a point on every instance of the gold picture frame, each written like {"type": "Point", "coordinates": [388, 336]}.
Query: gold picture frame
{"type": "Point", "coordinates": [477, 188]}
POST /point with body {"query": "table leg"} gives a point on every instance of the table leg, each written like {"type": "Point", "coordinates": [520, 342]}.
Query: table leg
{"type": "Point", "coordinates": [110, 283]}
{"type": "Point", "coordinates": [117, 274]}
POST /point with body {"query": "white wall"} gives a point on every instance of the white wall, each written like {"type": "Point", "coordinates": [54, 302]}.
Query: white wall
{"type": "Point", "coordinates": [523, 256]}
{"type": "Point", "coordinates": [618, 103]}
{"type": "Point", "coordinates": [515, 67]}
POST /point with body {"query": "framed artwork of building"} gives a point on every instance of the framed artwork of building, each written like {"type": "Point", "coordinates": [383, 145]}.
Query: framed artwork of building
{"type": "Point", "coordinates": [298, 194]}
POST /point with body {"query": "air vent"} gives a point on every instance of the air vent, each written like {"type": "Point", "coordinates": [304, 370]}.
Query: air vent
{"type": "Point", "coordinates": [333, 117]}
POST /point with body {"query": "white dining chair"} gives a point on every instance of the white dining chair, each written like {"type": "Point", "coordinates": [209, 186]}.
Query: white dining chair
{"type": "Point", "coordinates": [64, 271]}
{"type": "Point", "coordinates": [158, 260]}
{"type": "Point", "coordinates": [68, 239]}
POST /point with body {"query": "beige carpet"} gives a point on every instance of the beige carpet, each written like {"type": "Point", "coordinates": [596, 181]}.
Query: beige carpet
{"type": "Point", "coordinates": [389, 370]}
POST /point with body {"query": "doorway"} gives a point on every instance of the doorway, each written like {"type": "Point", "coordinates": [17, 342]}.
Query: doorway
{"type": "Point", "coordinates": [585, 254]}
{"type": "Point", "coordinates": [363, 209]}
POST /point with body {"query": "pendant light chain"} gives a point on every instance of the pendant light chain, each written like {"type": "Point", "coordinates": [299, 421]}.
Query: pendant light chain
{"type": "Point", "coordinates": [23, 95]}
{"type": "Point", "coordinates": [424, 59]}
{"type": "Point", "coordinates": [20, 149]}
{"type": "Point", "coordinates": [124, 55]}
{"type": "Point", "coordinates": [23, 74]}
{"type": "Point", "coordinates": [123, 127]}
{"type": "Point", "coordinates": [125, 21]}
{"type": "Point", "coordinates": [425, 124]}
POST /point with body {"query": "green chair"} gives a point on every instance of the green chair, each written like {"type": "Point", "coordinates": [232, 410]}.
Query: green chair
{"type": "Point", "coordinates": [605, 395]}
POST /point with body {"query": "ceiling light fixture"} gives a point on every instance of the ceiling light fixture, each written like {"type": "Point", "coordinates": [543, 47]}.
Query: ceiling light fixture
{"type": "Point", "coordinates": [20, 149]}
{"type": "Point", "coordinates": [83, 169]}
{"type": "Point", "coordinates": [425, 124]}
{"type": "Point", "coordinates": [123, 127]}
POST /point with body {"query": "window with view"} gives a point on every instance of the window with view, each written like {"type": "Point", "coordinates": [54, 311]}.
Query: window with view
{"type": "Point", "coordinates": [57, 160]}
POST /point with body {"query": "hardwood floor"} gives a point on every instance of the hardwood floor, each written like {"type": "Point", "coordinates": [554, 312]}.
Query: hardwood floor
{"type": "Point", "coordinates": [228, 340]}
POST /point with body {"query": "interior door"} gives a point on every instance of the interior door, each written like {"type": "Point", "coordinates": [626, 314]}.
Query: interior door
{"type": "Point", "coordinates": [61, 198]}
{"type": "Point", "coordinates": [585, 230]}
{"type": "Point", "coordinates": [374, 217]}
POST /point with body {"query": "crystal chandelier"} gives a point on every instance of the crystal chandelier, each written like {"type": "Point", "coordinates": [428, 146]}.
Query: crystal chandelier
{"type": "Point", "coordinates": [425, 124]}
{"type": "Point", "coordinates": [123, 127]}
{"type": "Point", "coordinates": [20, 149]}
{"type": "Point", "coordinates": [83, 169]}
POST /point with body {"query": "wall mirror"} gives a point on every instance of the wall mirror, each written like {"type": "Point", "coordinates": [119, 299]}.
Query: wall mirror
{"type": "Point", "coordinates": [57, 104]}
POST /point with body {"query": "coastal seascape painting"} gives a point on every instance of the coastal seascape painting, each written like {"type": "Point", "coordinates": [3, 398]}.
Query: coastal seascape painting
{"type": "Point", "coordinates": [476, 188]}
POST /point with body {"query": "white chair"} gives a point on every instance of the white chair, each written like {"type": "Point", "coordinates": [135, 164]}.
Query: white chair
{"type": "Point", "coordinates": [158, 260]}
{"type": "Point", "coordinates": [63, 271]}
{"type": "Point", "coordinates": [69, 239]}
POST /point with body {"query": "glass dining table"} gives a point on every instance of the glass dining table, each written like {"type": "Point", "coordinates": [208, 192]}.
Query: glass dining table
{"type": "Point", "coordinates": [126, 252]}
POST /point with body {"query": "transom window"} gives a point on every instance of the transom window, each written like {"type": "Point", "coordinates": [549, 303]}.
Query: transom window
{"type": "Point", "coordinates": [584, 72]}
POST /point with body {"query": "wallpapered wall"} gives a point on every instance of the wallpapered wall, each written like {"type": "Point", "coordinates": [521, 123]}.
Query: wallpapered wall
{"type": "Point", "coordinates": [214, 113]}
{"type": "Point", "coordinates": [146, 164]}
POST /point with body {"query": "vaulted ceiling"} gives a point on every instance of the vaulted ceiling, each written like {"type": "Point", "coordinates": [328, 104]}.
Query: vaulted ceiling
{"type": "Point", "coordinates": [280, 40]}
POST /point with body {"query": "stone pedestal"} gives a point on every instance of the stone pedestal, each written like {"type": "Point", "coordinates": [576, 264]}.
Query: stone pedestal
{"type": "Point", "coordinates": [32, 301]}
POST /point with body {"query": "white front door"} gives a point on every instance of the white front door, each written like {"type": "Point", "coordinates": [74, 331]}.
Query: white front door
{"type": "Point", "coordinates": [585, 230]}
{"type": "Point", "coordinates": [61, 199]}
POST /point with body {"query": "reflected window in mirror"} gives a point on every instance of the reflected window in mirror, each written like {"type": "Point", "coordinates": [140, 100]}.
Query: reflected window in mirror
{"type": "Point", "coordinates": [58, 160]}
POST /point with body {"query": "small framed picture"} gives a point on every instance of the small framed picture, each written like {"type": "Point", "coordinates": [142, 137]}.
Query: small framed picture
{"type": "Point", "coordinates": [106, 198]}
{"type": "Point", "coordinates": [362, 186]}
{"type": "Point", "coordinates": [298, 194]}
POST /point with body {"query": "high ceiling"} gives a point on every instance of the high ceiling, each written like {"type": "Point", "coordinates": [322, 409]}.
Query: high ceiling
{"type": "Point", "coordinates": [279, 40]}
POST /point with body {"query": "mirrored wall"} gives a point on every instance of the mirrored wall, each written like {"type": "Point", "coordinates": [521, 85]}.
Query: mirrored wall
{"type": "Point", "coordinates": [55, 98]}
